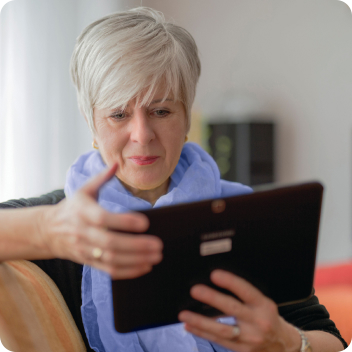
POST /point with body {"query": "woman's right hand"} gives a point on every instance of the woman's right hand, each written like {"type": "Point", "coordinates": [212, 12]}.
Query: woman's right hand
{"type": "Point", "coordinates": [73, 228]}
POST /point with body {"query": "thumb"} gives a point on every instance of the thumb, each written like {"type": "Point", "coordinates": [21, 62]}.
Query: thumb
{"type": "Point", "coordinates": [91, 188]}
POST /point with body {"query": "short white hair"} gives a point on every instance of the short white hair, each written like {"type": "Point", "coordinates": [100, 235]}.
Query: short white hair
{"type": "Point", "coordinates": [125, 54]}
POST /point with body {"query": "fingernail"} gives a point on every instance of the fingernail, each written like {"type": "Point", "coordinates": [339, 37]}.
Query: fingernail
{"type": "Point", "coordinates": [183, 316]}
{"type": "Point", "coordinates": [219, 272]}
{"type": "Point", "coordinates": [155, 258]}
{"type": "Point", "coordinates": [147, 268]}
{"type": "Point", "coordinates": [142, 222]}
{"type": "Point", "coordinates": [197, 290]}
{"type": "Point", "coordinates": [154, 246]}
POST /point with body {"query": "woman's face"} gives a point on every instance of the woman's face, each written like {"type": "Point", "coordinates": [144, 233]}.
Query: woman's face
{"type": "Point", "coordinates": [146, 142]}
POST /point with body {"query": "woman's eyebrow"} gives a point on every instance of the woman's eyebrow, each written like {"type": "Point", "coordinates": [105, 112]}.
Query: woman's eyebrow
{"type": "Point", "coordinates": [118, 109]}
{"type": "Point", "coordinates": [159, 100]}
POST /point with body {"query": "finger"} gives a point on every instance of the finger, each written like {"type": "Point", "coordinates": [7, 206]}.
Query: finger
{"type": "Point", "coordinates": [232, 345]}
{"type": "Point", "coordinates": [122, 242]}
{"type": "Point", "coordinates": [240, 287]}
{"type": "Point", "coordinates": [94, 214]}
{"type": "Point", "coordinates": [205, 324]}
{"type": "Point", "coordinates": [92, 187]}
{"type": "Point", "coordinates": [130, 222]}
{"type": "Point", "coordinates": [225, 303]}
{"type": "Point", "coordinates": [84, 254]}
{"type": "Point", "coordinates": [130, 260]}
{"type": "Point", "coordinates": [129, 273]}
{"type": "Point", "coordinates": [120, 273]}
{"type": "Point", "coordinates": [121, 261]}
{"type": "Point", "coordinates": [136, 243]}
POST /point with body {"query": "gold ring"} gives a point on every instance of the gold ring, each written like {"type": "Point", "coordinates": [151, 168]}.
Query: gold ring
{"type": "Point", "coordinates": [236, 332]}
{"type": "Point", "coordinates": [97, 253]}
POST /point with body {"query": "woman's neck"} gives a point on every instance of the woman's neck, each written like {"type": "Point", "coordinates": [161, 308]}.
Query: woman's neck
{"type": "Point", "coordinates": [150, 195]}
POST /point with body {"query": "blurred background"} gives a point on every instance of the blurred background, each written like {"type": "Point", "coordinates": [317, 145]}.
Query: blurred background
{"type": "Point", "coordinates": [274, 102]}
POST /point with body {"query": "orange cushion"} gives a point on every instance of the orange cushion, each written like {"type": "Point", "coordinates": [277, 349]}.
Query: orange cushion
{"type": "Point", "coordinates": [33, 314]}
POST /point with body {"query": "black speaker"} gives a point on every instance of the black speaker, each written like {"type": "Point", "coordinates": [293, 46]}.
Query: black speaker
{"type": "Point", "coordinates": [244, 152]}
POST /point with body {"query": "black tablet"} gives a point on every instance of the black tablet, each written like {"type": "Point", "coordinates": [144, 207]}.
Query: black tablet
{"type": "Point", "coordinates": [268, 237]}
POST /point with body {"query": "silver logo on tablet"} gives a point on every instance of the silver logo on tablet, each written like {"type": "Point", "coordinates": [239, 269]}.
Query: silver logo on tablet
{"type": "Point", "coordinates": [216, 242]}
{"type": "Point", "coordinates": [215, 247]}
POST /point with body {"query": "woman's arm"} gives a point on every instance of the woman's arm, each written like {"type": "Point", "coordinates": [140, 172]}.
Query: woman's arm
{"type": "Point", "coordinates": [20, 234]}
{"type": "Point", "coordinates": [310, 315]}
{"type": "Point", "coordinates": [260, 327]}
{"type": "Point", "coordinates": [323, 341]}
{"type": "Point", "coordinates": [73, 228]}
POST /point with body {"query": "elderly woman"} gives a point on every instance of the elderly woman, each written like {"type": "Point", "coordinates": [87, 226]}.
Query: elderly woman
{"type": "Point", "coordinates": [136, 77]}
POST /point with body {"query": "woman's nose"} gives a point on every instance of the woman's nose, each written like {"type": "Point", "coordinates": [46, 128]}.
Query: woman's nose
{"type": "Point", "coordinates": [142, 129]}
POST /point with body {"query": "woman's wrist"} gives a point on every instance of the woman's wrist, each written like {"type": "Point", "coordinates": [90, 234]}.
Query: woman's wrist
{"type": "Point", "coordinates": [291, 337]}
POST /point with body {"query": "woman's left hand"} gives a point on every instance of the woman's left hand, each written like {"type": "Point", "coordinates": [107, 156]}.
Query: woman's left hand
{"type": "Point", "coordinates": [259, 325]}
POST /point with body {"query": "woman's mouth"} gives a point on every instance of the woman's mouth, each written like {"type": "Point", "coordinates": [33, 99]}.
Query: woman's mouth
{"type": "Point", "coordinates": [144, 160]}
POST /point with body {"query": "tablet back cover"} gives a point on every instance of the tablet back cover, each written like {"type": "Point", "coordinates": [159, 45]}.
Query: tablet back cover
{"type": "Point", "coordinates": [268, 237]}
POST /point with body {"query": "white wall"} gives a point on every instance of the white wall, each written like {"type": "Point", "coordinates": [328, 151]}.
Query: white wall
{"type": "Point", "coordinates": [294, 59]}
{"type": "Point", "coordinates": [291, 59]}
{"type": "Point", "coordinates": [41, 129]}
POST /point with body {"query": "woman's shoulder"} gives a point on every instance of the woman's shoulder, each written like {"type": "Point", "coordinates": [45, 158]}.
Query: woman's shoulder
{"type": "Point", "coordinates": [229, 189]}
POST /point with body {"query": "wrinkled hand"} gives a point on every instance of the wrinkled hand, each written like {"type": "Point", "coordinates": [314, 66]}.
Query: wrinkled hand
{"type": "Point", "coordinates": [74, 227]}
{"type": "Point", "coordinates": [260, 326]}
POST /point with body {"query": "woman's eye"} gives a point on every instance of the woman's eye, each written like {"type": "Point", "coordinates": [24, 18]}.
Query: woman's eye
{"type": "Point", "coordinates": [118, 115]}
{"type": "Point", "coordinates": [161, 112]}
